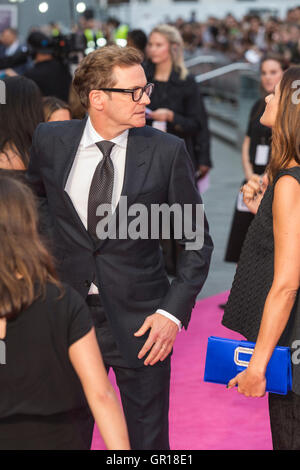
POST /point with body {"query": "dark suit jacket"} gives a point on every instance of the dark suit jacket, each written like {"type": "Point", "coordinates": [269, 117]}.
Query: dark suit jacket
{"type": "Point", "coordinates": [130, 273]}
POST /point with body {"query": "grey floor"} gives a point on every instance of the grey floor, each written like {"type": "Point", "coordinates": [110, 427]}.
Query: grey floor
{"type": "Point", "coordinates": [219, 200]}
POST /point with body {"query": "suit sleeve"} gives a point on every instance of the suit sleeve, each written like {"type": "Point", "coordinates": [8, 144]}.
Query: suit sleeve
{"type": "Point", "coordinates": [194, 260]}
{"type": "Point", "coordinates": [35, 181]}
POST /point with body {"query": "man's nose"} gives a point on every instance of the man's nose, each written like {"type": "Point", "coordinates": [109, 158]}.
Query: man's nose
{"type": "Point", "coordinates": [145, 99]}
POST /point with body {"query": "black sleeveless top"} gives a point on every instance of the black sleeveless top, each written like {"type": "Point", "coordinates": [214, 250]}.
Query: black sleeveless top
{"type": "Point", "coordinates": [255, 271]}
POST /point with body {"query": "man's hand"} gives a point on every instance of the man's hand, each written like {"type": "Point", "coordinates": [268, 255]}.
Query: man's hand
{"type": "Point", "coordinates": [161, 338]}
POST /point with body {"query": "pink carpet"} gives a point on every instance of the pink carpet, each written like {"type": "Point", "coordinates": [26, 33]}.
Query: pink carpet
{"type": "Point", "coordinates": [206, 416]}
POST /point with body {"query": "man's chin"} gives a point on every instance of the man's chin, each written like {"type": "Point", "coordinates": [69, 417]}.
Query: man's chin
{"type": "Point", "coordinates": [141, 122]}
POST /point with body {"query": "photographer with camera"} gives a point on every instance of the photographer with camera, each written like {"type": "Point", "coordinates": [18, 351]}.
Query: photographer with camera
{"type": "Point", "coordinates": [50, 73]}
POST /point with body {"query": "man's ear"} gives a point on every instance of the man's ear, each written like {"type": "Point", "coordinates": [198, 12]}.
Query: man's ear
{"type": "Point", "coordinates": [97, 98]}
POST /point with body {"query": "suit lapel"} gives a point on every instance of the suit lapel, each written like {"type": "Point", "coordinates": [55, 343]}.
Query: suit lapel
{"type": "Point", "coordinates": [137, 164]}
{"type": "Point", "coordinates": [71, 143]}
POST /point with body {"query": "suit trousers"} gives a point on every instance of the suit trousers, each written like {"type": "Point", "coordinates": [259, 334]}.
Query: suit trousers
{"type": "Point", "coordinates": [144, 391]}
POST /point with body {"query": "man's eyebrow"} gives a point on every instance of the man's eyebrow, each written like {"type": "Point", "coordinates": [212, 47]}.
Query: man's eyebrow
{"type": "Point", "coordinates": [136, 86]}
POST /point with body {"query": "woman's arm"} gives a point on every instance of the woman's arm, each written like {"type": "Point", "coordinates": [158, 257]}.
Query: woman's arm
{"type": "Point", "coordinates": [281, 297]}
{"type": "Point", "coordinates": [86, 359]}
{"type": "Point", "coordinates": [248, 170]}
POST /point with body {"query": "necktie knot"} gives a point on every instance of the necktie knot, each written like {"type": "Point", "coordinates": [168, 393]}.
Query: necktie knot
{"type": "Point", "coordinates": [105, 146]}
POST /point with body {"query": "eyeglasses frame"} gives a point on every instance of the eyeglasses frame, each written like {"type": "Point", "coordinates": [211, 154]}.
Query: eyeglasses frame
{"type": "Point", "coordinates": [127, 90]}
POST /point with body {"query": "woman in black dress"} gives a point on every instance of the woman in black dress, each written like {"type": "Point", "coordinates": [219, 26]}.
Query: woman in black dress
{"type": "Point", "coordinates": [48, 349]}
{"type": "Point", "coordinates": [256, 152]}
{"type": "Point", "coordinates": [264, 300]}
{"type": "Point", "coordinates": [176, 107]}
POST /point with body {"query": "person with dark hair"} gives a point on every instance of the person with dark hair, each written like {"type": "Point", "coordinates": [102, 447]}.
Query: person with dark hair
{"type": "Point", "coordinates": [256, 153]}
{"type": "Point", "coordinates": [56, 109]}
{"type": "Point", "coordinates": [264, 302]}
{"type": "Point", "coordinates": [19, 118]}
{"type": "Point", "coordinates": [50, 343]}
{"type": "Point", "coordinates": [138, 39]}
{"type": "Point", "coordinates": [50, 74]}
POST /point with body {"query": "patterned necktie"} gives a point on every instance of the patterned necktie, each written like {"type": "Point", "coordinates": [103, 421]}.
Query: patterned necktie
{"type": "Point", "coordinates": [101, 189]}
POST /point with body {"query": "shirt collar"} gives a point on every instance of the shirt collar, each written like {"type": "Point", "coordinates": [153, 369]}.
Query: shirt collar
{"type": "Point", "coordinates": [91, 136]}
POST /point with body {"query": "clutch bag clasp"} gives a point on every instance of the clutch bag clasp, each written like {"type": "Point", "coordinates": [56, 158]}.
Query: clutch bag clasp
{"type": "Point", "coordinates": [239, 350]}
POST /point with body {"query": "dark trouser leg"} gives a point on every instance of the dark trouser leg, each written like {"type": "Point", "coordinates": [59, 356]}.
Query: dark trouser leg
{"type": "Point", "coordinates": [285, 421]}
{"type": "Point", "coordinates": [145, 399]}
{"type": "Point", "coordinates": [144, 391]}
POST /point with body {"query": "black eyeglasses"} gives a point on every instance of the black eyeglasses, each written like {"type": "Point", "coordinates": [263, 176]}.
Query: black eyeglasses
{"type": "Point", "coordinates": [136, 93]}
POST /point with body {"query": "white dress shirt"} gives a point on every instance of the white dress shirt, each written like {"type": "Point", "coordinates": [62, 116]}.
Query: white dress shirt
{"type": "Point", "coordinates": [80, 178]}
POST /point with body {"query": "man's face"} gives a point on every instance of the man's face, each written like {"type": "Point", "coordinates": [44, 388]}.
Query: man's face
{"type": "Point", "coordinates": [7, 38]}
{"type": "Point", "coordinates": [119, 108]}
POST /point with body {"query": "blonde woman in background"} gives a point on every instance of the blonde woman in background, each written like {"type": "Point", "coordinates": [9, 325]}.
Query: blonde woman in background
{"type": "Point", "coordinates": [176, 106]}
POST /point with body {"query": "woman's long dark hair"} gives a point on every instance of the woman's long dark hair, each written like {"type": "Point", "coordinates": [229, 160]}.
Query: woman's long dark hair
{"type": "Point", "coordinates": [20, 116]}
{"type": "Point", "coordinates": [286, 134]}
{"type": "Point", "coordinates": [25, 264]}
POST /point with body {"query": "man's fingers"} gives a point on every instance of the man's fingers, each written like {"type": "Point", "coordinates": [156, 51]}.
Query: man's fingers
{"type": "Point", "coordinates": [166, 353]}
{"type": "Point", "coordinates": [156, 352]}
{"type": "Point", "coordinates": [161, 356]}
{"type": "Point", "coordinates": [147, 346]}
{"type": "Point", "coordinates": [145, 327]}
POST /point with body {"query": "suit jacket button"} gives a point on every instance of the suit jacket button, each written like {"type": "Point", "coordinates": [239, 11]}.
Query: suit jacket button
{"type": "Point", "coordinates": [97, 253]}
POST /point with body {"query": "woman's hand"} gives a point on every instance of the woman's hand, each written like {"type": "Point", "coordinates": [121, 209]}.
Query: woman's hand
{"type": "Point", "coordinates": [254, 191]}
{"type": "Point", "coordinates": [250, 383]}
{"type": "Point", "coordinates": [162, 114]}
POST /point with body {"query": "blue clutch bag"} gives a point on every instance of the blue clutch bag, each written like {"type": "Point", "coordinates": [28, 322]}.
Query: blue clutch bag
{"type": "Point", "coordinates": [225, 358]}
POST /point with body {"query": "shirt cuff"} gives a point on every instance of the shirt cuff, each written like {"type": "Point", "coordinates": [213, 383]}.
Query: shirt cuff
{"type": "Point", "coordinates": [170, 317]}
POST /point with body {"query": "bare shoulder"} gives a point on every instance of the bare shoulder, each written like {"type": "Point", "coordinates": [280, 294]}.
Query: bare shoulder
{"type": "Point", "coordinates": [287, 188]}
{"type": "Point", "coordinates": [286, 197]}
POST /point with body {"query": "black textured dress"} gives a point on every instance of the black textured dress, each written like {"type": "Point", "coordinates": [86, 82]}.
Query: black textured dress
{"type": "Point", "coordinates": [259, 136]}
{"type": "Point", "coordinates": [254, 277]}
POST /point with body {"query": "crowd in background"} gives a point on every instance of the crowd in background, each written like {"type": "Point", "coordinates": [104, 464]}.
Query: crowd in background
{"type": "Point", "coordinates": [249, 38]}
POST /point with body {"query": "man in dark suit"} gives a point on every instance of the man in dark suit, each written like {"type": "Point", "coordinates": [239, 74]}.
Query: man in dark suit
{"type": "Point", "coordinates": [76, 167]}
{"type": "Point", "coordinates": [12, 54]}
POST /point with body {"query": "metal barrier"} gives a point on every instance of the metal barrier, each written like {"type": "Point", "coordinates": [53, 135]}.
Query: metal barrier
{"type": "Point", "coordinates": [230, 90]}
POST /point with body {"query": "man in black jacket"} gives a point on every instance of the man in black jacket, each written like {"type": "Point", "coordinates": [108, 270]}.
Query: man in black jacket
{"type": "Point", "coordinates": [111, 157]}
